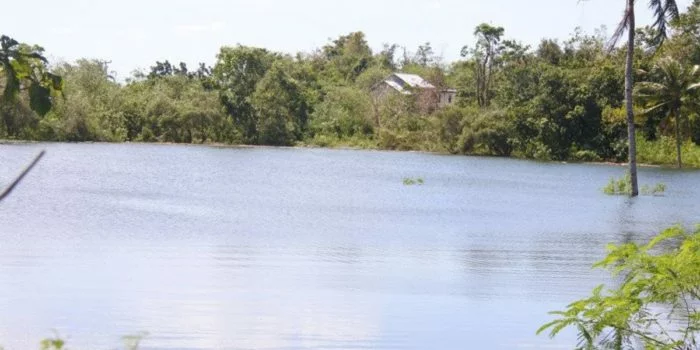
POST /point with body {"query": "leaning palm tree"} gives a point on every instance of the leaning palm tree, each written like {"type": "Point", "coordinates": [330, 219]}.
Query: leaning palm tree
{"type": "Point", "coordinates": [670, 90]}
{"type": "Point", "coordinates": [664, 12]}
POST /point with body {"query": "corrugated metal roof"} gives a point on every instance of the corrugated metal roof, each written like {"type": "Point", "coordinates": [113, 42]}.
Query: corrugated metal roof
{"type": "Point", "coordinates": [397, 87]}
{"type": "Point", "coordinates": [403, 82]}
{"type": "Point", "coordinates": [414, 81]}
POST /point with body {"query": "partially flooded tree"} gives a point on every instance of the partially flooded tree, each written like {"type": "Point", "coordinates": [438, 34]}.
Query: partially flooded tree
{"type": "Point", "coordinates": [664, 12]}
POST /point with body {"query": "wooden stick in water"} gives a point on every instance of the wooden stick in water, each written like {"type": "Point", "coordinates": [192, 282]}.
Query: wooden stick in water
{"type": "Point", "coordinates": [26, 170]}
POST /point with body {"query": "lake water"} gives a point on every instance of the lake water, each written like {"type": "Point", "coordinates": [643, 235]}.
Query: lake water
{"type": "Point", "coordinates": [264, 248]}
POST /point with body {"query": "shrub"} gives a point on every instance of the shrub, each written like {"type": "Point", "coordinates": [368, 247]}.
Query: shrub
{"type": "Point", "coordinates": [656, 304]}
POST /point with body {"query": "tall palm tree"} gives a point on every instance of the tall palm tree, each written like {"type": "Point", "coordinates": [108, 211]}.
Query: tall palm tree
{"type": "Point", "coordinates": [669, 91]}
{"type": "Point", "coordinates": [664, 12]}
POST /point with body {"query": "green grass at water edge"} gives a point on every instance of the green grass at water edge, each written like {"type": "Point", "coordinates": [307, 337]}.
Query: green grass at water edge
{"type": "Point", "coordinates": [663, 152]}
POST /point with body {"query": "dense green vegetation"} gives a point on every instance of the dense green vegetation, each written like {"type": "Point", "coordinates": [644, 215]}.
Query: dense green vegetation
{"type": "Point", "coordinates": [557, 101]}
{"type": "Point", "coordinates": [655, 303]}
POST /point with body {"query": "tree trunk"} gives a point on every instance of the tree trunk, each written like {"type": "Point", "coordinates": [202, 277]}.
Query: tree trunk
{"type": "Point", "coordinates": [629, 83]}
{"type": "Point", "coordinates": [678, 140]}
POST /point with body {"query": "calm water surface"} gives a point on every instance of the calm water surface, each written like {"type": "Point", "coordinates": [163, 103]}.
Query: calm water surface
{"type": "Point", "coordinates": [209, 248]}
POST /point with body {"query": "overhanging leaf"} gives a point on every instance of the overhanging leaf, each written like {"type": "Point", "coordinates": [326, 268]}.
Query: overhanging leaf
{"type": "Point", "coordinates": [39, 98]}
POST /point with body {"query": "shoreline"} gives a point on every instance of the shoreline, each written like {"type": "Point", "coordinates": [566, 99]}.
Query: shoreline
{"type": "Point", "coordinates": [346, 148]}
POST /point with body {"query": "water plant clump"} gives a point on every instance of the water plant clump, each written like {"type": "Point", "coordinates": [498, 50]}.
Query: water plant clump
{"type": "Point", "coordinates": [658, 190]}
{"type": "Point", "coordinates": [623, 187]}
{"type": "Point", "coordinates": [413, 181]}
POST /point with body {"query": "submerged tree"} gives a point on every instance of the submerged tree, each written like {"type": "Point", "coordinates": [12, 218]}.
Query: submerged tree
{"type": "Point", "coordinates": [669, 91]}
{"type": "Point", "coordinates": [664, 12]}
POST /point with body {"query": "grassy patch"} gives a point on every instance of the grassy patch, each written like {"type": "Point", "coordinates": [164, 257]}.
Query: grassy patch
{"type": "Point", "coordinates": [663, 152]}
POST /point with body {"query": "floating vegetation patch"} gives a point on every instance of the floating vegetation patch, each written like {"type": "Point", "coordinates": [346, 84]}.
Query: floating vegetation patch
{"type": "Point", "coordinates": [412, 182]}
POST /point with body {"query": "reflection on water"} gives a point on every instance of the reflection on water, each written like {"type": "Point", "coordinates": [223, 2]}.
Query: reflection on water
{"type": "Point", "coordinates": [210, 248]}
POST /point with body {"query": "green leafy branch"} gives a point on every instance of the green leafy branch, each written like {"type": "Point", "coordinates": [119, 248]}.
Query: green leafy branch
{"type": "Point", "coordinates": [656, 304]}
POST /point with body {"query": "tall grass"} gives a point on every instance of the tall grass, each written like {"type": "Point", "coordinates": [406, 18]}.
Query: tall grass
{"type": "Point", "coordinates": [663, 152]}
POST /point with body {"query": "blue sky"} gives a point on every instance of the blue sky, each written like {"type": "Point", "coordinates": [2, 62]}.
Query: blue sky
{"type": "Point", "coordinates": [135, 33]}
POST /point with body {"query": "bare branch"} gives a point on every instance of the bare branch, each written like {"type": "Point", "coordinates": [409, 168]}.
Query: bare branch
{"type": "Point", "coordinates": [19, 178]}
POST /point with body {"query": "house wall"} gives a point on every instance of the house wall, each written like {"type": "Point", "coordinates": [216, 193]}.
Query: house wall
{"type": "Point", "coordinates": [382, 90]}
{"type": "Point", "coordinates": [447, 98]}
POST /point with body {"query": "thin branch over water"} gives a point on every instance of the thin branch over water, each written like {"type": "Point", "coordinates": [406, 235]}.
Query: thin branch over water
{"type": "Point", "coordinates": [19, 178]}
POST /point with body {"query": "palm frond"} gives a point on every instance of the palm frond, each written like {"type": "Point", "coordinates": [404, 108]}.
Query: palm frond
{"type": "Point", "coordinates": [658, 8]}
{"type": "Point", "coordinates": [695, 70]}
{"type": "Point", "coordinates": [671, 10]}
{"type": "Point", "coordinates": [664, 12]}
{"type": "Point", "coordinates": [648, 86]}
{"type": "Point", "coordinates": [654, 108]}
{"type": "Point", "coordinates": [6, 42]}
{"type": "Point", "coordinates": [620, 30]}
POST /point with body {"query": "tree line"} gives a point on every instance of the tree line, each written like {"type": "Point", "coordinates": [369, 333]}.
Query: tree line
{"type": "Point", "coordinates": [560, 100]}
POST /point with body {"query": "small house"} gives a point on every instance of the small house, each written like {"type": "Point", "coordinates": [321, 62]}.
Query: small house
{"type": "Point", "coordinates": [412, 84]}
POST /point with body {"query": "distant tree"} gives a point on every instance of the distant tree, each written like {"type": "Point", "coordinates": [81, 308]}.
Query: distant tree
{"type": "Point", "coordinates": [425, 55]}
{"type": "Point", "coordinates": [345, 112]}
{"type": "Point", "coordinates": [387, 57]}
{"type": "Point", "coordinates": [174, 109]}
{"type": "Point", "coordinates": [91, 108]}
{"type": "Point", "coordinates": [550, 51]}
{"type": "Point", "coordinates": [236, 74]}
{"type": "Point", "coordinates": [347, 57]}
{"type": "Point", "coordinates": [486, 53]}
{"type": "Point", "coordinates": [161, 69]}
{"type": "Point", "coordinates": [281, 111]}
{"type": "Point", "coordinates": [670, 89]}
{"type": "Point", "coordinates": [165, 69]}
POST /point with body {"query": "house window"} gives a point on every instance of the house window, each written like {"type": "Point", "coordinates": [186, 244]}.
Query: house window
{"type": "Point", "coordinates": [449, 99]}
